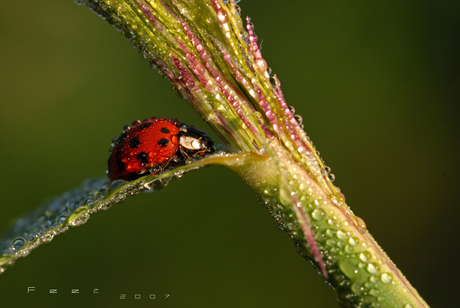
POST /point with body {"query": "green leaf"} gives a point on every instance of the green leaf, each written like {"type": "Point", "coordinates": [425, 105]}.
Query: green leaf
{"type": "Point", "coordinates": [73, 208]}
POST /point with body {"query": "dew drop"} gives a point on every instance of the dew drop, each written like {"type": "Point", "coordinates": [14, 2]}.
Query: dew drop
{"type": "Point", "coordinates": [52, 220]}
{"type": "Point", "coordinates": [119, 198]}
{"type": "Point", "coordinates": [237, 9]}
{"type": "Point", "coordinates": [353, 241]}
{"type": "Point", "coordinates": [360, 222]}
{"type": "Point", "coordinates": [373, 292]}
{"type": "Point", "coordinates": [368, 285]}
{"type": "Point", "coordinates": [341, 235]}
{"type": "Point", "coordinates": [372, 269]}
{"type": "Point", "coordinates": [156, 185]}
{"type": "Point", "coordinates": [331, 177]}
{"type": "Point", "coordinates": [330, 242]}
{"type": "Point", "coordinates": [105, 206]}
{"type": "Point", "coordinates": [299, 120]}
{"type": "Point", "coordinates": [80, 220]}
{"type": "Point", "coordinates": [317, 214]}
{"type": "Point", "coordinates": [363, 257]}
{"type": "Point", "coordinates": [386, 278]}
{"type": "Point", "coordinates": [329, 232]}
{"type": "Point", "coordinates": [135, 123]}
{"type": "Point", "coordinates": [349, 249]}
{"type": "Point", "coordinates": [71, 206]}
{"type": "Point", "coordinates": [116, 184]}
{"type": "Point", "coordinates": [46, 238]}
{"type": "Point", "coordinates": [18, 243]}
{"type": "Point", "coordinates": [261, 65]}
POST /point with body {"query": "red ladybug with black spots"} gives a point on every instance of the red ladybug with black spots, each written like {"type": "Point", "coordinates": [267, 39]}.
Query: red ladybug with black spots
{"type": "Point", "coordinates": [153, 145]}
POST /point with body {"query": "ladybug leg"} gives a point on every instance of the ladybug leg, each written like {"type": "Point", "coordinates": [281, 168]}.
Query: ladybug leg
{"type": "Point", "coordinates": [202, 153]}
{"type": "Point", "coordinates": [167, 163]}
{"type": "Point", "coordinates": [184, 154]}
{"type": "Point", "coordinates": [160, 167]}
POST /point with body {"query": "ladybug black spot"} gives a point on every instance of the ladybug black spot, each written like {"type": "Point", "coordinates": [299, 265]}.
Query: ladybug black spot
{"type": "Point", "coordinates": [120, 165]}
{"type": "Point", "coordinates": [118, 150]}
{"type": "Point", "coordinates": [122, 138]}
{"type": "Point", "coordinates": [145, 125]}
{"type": "Point", "coordinates": [163, 142]}
{"type": "Point", "coordinates": [164, 130]}
{"type": "Point", "coordinates": [143, 157]}
{"type": "Point", "coordinates": [134, 143]}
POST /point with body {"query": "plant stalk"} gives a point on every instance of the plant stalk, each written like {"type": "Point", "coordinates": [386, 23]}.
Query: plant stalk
{"type": "Point", "coordinates": [214, 63]}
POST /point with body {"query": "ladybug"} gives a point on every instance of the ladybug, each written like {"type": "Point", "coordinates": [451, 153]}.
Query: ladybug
{"type": "Point", "coordinates": [151, 146]}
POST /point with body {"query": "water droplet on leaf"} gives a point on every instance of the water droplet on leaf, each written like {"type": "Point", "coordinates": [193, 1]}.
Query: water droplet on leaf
{"type": "Point", "coordinates": [372, 269]}
{"type": "Point", "coordinates": [386, 278]}
{"type": "Point", "coordinates": [46, 238]}
{"type": "Point", "coordinates": [18, 243]}
{"type": "Point", "coordinates": [317, 214]}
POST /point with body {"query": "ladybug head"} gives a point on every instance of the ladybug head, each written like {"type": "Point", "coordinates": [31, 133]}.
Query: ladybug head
{"type": "Point", "coordinates": [194, 141]}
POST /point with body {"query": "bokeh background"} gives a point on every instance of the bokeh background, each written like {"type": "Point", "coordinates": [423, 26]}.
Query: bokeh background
{"type": "Point", "coordinates": [377, 84]}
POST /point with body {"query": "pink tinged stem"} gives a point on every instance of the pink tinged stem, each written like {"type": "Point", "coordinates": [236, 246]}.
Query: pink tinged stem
{"type": "Point", "coordinates": [261, 66]}
{"type": "Point", "coordinates": [296, 132]}
{"type": "Point", "coordinates": [306, 229]}
{"type": "Point", "coordinates": [158, 26]}
{"type": "Point", "coordinates": [222, 121]}
{"type": "Point", "coordinates": [238, 102]}
{"type": "Point", "coordinates": [270, 115]}
{"type": "Point", "coordinates": [265, 105]}
{"type": "Point", "coordinates": [198, 69]}
{"type": "Point", "coordinates": [266, 131]}
{"type": "Point", "coordinates": [220, 12]}
{"type": "Point", "coordinates": [204, 79]}
{"type": "Point", "coordinates": [248, 86]}
{"type": "Point", "coordinates": [188, 83]}
{"type": "Point", "coordinates": [260, 63]}
{"type": "Point", "coordinates": [291, 124]}
{"type": "Point", "coordinates": [221, 81]}
{"type": "Point", "coordinates": [187, 79]}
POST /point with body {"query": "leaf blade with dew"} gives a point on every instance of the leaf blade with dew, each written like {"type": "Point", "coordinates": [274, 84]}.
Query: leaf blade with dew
{"type": "Point", "coordinates": [73, 208]}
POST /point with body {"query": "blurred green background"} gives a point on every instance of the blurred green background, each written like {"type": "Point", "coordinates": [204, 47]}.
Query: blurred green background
{"type": "Point", "coordinates": [377, 84]}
